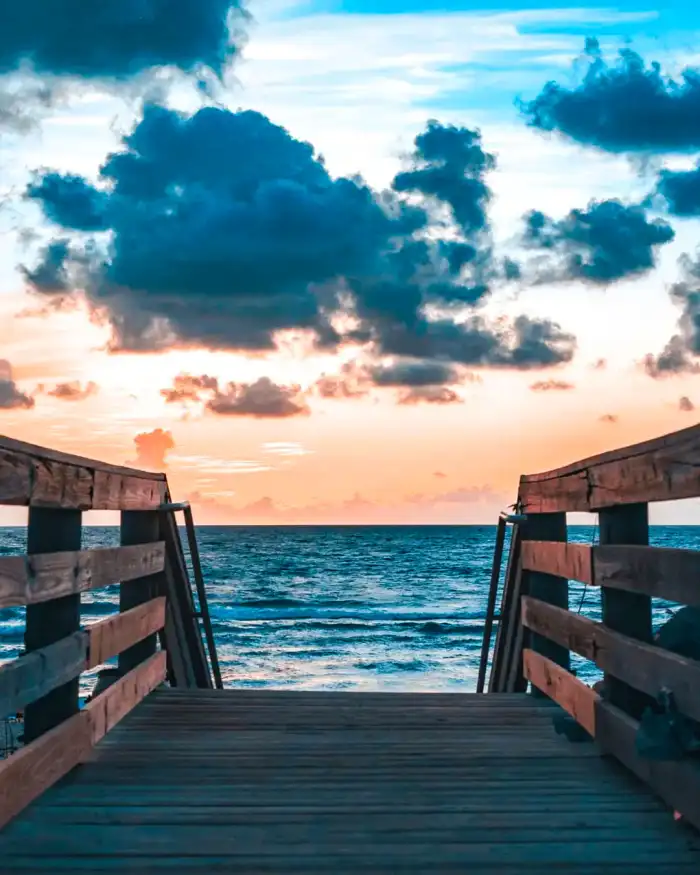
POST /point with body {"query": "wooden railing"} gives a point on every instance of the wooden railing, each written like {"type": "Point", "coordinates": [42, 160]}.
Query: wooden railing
{"type": "Point", "coordinates": [155, 604]}
{"type": "Point", "coordinates": [628, 573]}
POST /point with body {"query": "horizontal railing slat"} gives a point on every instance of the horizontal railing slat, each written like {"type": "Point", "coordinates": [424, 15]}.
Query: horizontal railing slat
{"type": "Point", "coordinates": [32, 676]}
{"type": "Point", "coordinates": [26, 774]}
{"type": "Point", "coordinates": [113, 635]}
{"type": "Point", "coordinates": [660, 572]}
{"type": "Point", "coordinates": [664, 469]}
{"type": "Point", "coordinates": [677, 783]}
{"type": "Point", "coordinates": [33, 475]}
{"type": "Point", "coordinates": [28, 678]}
{"type": "Point", "coordinates": [560, 685]}
{"type": "Point", "coordinates": [642, 666]}
{"type": "Point", "coordinates": [27, 580]}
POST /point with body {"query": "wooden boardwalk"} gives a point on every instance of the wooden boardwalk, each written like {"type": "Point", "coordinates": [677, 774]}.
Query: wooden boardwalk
{"type": "Point", "coordinates": [262, 781]}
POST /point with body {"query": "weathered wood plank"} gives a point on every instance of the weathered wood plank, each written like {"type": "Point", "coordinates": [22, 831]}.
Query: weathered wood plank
{"type": "Point", "coordinates": [677, 783]}
{"type": "Point", "coordinates": [561, 558]}
{"type": "Point", "coordinates": [115, 634]}
{"type": "Point", "coordinates": [26, 774]}
{"type": "Point", "coordinates": [626, 612]}
{"type": "Point", "coordinates": [34, 675]}
{"type": "Point", "coordinates": [548, 587]}
{"type": "Point", "coordinates": [116, 701]}
{"type": "Point", "coordinates": [642, 666]}
{"type": "Point", "coordinates": [50, 529]}
{"type": "Point", "coordinates": [138, 527]}
{"type": "Point", "coordinates": [664, 469]}
{"type": "Point", "coordinates": [561, 686]}
{"type": "Point", "coordinates": [29, 580]}
{"type": "Point", "coordinates": [37, 476]}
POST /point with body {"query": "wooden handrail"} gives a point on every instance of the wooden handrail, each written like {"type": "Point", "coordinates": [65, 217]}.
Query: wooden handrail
{"type": "Point", "coordinates": [660, 572]}
{"type": "Point", "coordinates": [36, 476]}
{"type": "Point", "coordinates": [41, 577]}
{"type": "Point", "coordinates": [663, 469]}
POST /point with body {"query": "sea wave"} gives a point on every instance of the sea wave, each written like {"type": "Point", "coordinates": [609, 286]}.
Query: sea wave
{"type": "Point", "coordinates": [328, 612]}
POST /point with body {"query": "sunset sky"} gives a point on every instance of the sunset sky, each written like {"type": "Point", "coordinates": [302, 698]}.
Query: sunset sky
{"type": "Point", "coordinates": [188, 286]}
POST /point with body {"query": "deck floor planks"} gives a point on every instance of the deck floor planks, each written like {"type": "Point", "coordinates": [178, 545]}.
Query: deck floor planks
{"type": "Point", "coordinates": [265, 781]}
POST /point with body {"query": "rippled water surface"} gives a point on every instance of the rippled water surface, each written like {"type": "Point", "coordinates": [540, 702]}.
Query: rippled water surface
{"type": "Point", "coordinates": [392, 608]}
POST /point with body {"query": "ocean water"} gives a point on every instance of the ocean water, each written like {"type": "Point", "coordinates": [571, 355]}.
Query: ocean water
{"type": "Point", "coordinates": [331, 607]}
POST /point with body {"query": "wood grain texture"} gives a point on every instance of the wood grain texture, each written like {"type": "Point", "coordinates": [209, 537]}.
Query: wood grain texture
{"type": "Point", "coordinates": [38, 476]}
{"type": "Point", "coordinates": [310, 782]}
{"type": "Point", "coordinates": [561, 686]}
{"type": "Point", "coordinates": [569, 560]}
{"type": "Point", "coordinates": [33, 675]}
{"type": "Point", "coordinates": [28, 580]}
{"type": "Point", "coordinates": [113, 635]}
{"type": "Point", "coordinates": [664, 469]}
{"type": "Point", "coordinates": [642, 666]}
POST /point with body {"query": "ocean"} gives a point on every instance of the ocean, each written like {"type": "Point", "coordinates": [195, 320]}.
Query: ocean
{"type": "Point", "coordinates": [343, 607]}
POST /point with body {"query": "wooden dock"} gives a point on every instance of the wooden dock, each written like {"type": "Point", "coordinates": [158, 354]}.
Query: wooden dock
{"type": "Point", "coordinates": [163, 771]}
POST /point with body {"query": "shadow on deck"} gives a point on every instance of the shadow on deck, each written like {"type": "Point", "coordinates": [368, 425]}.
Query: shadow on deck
{"type": "Point", "coordinates": [266, 781]}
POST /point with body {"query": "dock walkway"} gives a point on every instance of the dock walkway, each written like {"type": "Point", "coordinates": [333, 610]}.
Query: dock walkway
{"type": "Point", "coordinates": [199, 781]}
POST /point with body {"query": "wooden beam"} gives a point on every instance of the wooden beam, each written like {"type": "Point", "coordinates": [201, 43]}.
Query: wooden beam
{"type": "Point", "coordinates": [30, 677]}
{"type": "Point", "coordinates": [547, 587]}
{"type": "Point", "coordinates": [117, 633]}
{"type": "Point", "coordinates": [561, 686]}
{"type": "Point", "coordinates": [49, 530]}
{"type": "Point", "coordinates": [677, 783]}
{"type": "Point", "coordinates": [139, 527]}
{"type": "Point", "coordinates": [29, 580]}
{"type": "Point", "coordinates": [659, 572]}
{"type": "Point", "coordinates": [663, 469]}
{"type": "Point", "coordinates": [25, 775]}
{"type": "Point", "coordinates": [37, 476]}
{"type": "Point", "coordinates": [626, 612]}
{"type": "Point", "coordinates": [642, 666]}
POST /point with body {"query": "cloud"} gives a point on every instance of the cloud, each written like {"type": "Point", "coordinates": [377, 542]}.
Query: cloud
{"type": "Point", "coordinates": [551, 386]}
{"type": "Point", "coordinates": [622, 107]}
{"type": "Point", "coordinates": [23, 101]}
{"type": "Point", "coordinates": [285, 448]}
{"type": "Point", "coordinates": [681, 191]}
{"type": "Point", "coordinates": [261, 399]}
{"type": "Point", "coordinates": [685, 404]}
{"type": "Point", "coordinates": [430, 395]}
{"type": "Point", "coordinates": [226, 230]}
{"type": "Point", "coordinates": [116, 39]}
{"type": "Point", "coordinates": [599, 365]}
{"type": "Point", "coordinates": [682, 352]}
{"type": "Point", "coordinates": [606, 242]}
{"type": "Point", "coordinates": [609, 418]}
{"type": "Point", "coordinates": [152, 447]}
{"type": "Point", "coordinates": [439, 474]}
{"type": "Point", "coordinates": [11, 397]}
{"type": "Point", "coordinates": [74, 390]}
{"type": "Point", "coordinates": [414, 373]}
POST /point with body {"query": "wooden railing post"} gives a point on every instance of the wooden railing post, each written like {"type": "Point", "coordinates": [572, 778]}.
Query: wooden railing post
{"type": "Point", "coordinates": [626, 612]}
{"type": "Point", "coordinates": [52, 530]}
{"type": "Point", "coordinates": [139, 527]}
{"type": "Point", "coordinates": [546, 587]}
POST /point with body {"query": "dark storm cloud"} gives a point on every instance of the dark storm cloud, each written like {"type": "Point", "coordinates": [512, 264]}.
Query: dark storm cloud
{"type": "Point", "coordinates": [117, 38]}
{"type": "Point", "coordinates": [11, 398]}
{"type": "Point", "coordinates": [681, 190]}
{"type": "Point", "coordinates": [430, 395]}
{"type": "Point", "coordinates": [607, 241]}
{"type": "Point", "coordinates": [74, 390]}
{"type": "Point", "coordinates": [682, 352]}
{"type": "Point", "coordinates": [622, 107]}
{"type": "Point", "coordinates": [449, 164]}
{"type": "Point", "coordinates": [226, 230]}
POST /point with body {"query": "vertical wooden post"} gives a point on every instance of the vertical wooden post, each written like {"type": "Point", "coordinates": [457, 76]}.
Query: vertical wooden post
{"type": "Point", "coordinates": [52, 530]}
{"type": "Point", "coordinates": [546, 587]}
{"type": "Point", "coordinates": [626, 612]}
{"type": "Point", "coordinates": [139, 527]}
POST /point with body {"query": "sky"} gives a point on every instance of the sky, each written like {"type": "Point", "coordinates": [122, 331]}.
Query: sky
{"type": "Point", "coordinates": [348, 262]}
